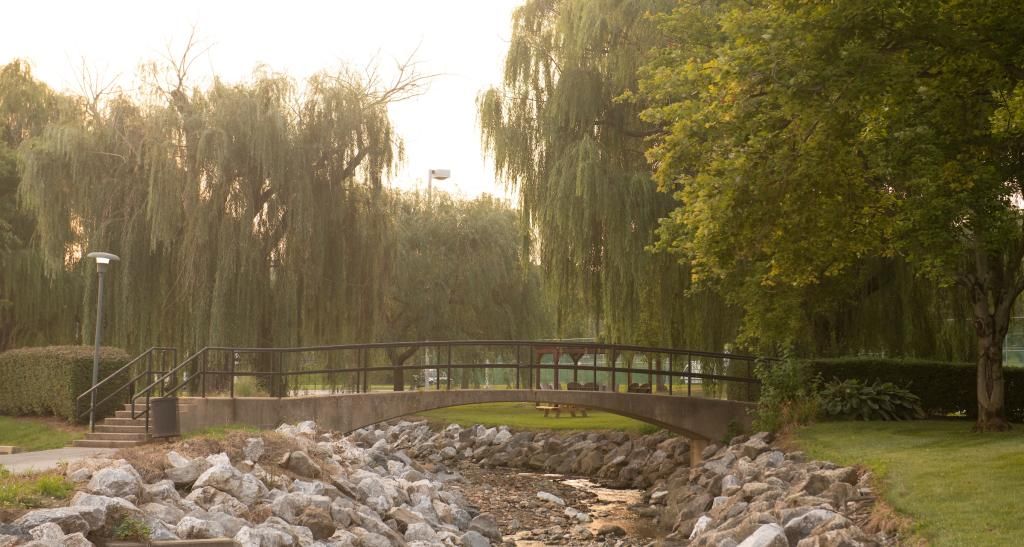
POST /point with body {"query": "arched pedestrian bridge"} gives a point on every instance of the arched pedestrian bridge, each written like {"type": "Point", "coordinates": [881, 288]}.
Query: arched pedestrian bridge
{"type": "Point", "coordinates": [703, 395]}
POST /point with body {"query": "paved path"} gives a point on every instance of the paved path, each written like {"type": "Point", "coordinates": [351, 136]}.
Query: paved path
{"type": "Point", "coordinates": [48, 459]}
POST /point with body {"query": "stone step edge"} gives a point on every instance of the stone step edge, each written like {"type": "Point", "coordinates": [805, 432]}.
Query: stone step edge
{"type": "Point", "coordinates": [7, 449]}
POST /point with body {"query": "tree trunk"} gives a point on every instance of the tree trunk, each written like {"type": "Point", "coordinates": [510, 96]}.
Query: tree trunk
{"type": "Point", "coordinates": [398, 361]}
{"type": "Point", "coordinates": [991, 322]}
{"type": "Point", "coordinates": [991, 387]}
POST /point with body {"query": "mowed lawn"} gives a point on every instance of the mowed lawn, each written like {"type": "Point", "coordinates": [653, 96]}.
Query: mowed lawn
{"type": "Point", "coordinates": [524, 416]}
{"type": "Point", "coordinates": [37, 433]}
{"type": "Point", "coordinates": [960, 488]}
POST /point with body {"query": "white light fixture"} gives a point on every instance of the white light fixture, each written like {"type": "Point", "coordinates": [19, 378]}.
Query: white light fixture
{"type": "Point", "coordinates": [439, 174]}
{"type": "Point", "coordinates": [102, 259]}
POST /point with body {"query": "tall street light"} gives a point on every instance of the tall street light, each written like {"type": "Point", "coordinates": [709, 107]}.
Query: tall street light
{"type": "Point", "coordinates": [102, 261]}
{"type": "Point", "coordinates": [439, 174]}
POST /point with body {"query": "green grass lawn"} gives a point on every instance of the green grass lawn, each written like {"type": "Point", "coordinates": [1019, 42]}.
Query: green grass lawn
{"type": "Point", "coordinates": [37, 433]}
{"type": "Point", "coordinates": [960, 488]}
{"type": "Point", "coordinates": [524, 416]}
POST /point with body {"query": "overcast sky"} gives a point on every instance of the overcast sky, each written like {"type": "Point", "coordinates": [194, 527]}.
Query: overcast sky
{"type": "Point", "coordinates": [464, 40]}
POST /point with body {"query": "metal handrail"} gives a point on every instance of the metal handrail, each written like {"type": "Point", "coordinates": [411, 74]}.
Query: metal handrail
{"type": "Point", "coordinates": [460, 343]}
{"type": "Point", "coordinates": [159, 381]}
{"type": "Point", "coordinates": [126, 366]}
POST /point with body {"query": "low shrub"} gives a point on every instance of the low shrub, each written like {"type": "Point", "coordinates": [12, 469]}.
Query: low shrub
{"type": "Point", "coordinates": [47, 380]}
{"type": "Point", "coordinates": [132, 529]}
{"type": "Point", "coordinates": [852, 399]}
{"type": "Point", "coordinates": [944, 388]}
{"type": "Point", "coordinates": [788, 395]}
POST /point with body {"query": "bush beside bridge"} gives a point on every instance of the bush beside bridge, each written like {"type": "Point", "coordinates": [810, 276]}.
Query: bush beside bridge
{"type": "Point", "coordinates": [944, 388]}
{"type": "Point", "coordinates": [47, 380]}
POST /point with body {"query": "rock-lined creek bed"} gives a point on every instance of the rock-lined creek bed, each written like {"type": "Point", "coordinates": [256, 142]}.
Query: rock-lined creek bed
{"type": "Point", "coordinates": [409, 484]}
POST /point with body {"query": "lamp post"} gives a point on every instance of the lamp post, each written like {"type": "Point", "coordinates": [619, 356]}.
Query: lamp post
{"type": "Point", "coordinates": [102, 261]}
{"type": "Point", "coordinates": [439, 174]}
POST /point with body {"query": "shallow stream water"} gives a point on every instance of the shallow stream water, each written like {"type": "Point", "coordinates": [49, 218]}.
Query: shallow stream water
{"type": "Point", "coordinates": [605, 506]}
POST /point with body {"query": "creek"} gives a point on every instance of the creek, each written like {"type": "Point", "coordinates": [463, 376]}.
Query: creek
{"type": "Point", "coordinates": [528, 521]}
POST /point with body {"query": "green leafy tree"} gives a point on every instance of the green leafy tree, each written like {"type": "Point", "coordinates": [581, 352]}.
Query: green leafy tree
{"type": "Point", "coordinates": [802, 139]}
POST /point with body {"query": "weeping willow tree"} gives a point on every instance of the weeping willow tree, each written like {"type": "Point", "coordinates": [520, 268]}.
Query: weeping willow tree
{"type": "Point", "coordinates": [250, 213]}
{"type": "Point", "coordinates": [561, 137]}
{"type": "Point", "coordinates": [34, 309]}
{"type": "Point", "coordinates": [458, 274]}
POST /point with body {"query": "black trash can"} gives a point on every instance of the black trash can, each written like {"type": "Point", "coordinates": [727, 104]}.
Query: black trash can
{"type": "Point", "coordinates": [164, 417]}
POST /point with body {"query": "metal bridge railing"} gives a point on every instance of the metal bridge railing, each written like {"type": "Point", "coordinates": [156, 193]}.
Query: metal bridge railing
{"type": "Point", "coordinates": [445, 365]}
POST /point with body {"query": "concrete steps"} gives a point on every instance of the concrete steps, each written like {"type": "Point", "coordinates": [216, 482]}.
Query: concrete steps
{"type": "Point", "coordinates": [94, 443]}
{"type": "Point", "coordinates": [122, 430]}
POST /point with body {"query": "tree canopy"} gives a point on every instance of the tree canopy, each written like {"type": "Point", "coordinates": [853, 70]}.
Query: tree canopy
{"type": "Point", "coordinates": [804, 140]}
{"type": "Point", "coordinates": [573, 151]}
{"type": "Point", "coordinates": [251, 213]}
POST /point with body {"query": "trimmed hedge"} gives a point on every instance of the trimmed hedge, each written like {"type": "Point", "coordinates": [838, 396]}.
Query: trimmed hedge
{"type": "Point", "coordinates": [944, 388]}
{"type": "Point", "coordinates": [47, 380]}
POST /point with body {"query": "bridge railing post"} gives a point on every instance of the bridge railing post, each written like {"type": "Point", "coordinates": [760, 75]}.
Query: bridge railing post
{"type": "Point", "coordinates": [449, 360]}
{"type": "Point", "coordinates": [689, 375]}
{"type": "Point", "coordinates": [671, 376]}
{"type": "Point", "coordinates": [613, 384]}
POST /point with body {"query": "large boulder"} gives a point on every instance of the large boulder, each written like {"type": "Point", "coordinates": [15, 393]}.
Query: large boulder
{"type": "Point", "coordinates": [242, 486]}
{"type": "Point", "coordinates": [486, 525]}
{"type": "Point", "coordinates": [193, 528]}
{"type": "Point", "coordinates": [121, 481]}
{"type": "Point", "coordinates": [767, 535]}
{"type": "Point", "coordinates": [303, 465]}
{"type": "Point", "coordinates": [68, 518]}
{"type": "Point", "coordinates": [183, 471]}
{"type": "Point", "coordinates": [318, 521]}
{"type": "Point", "coordinates": [263, 536]}
{"type": "Point", "coordinates": [164, 513]}
{"type": "Point", "coordinates": [104, 512]}
{"type": "Point", "coordinates": [473, 538]}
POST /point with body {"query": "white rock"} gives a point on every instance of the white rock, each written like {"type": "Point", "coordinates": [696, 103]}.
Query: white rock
{"type": "Point", "coordinates": [420, 531]}
{"type": "Point", "coordinates": [263, 536]}
{"type": "Point", "coordinates": [160, 492]}
{"type": "Point", "coordinates": [193, 528]}
{"type": "Point", "coordinates": [219, 459]}
{"type": "Point", "coordinates": [768, 535]}
{"type": "Point", "coordinates": [80, 475]}
{"type": "Point", "coordinates": [48, 531]}
{"type": "Point", "coordinates": [242, 486]}
{"type": "Point", "coordinates": [120, 481]}
{"type": "Point", "coordinates": [68, 518]}
{"type": "Point", "coordinates": [75, 540]}
{"type": "Point", "coordinates": [104, 511]}
{"type": "Point", "coordinates": [550, 498]}
{"type": "Point", "coordinates": [165, 513]}
{"type": "Point", "coordinates": [254, 448]}
{"type": "Point", "coordinates": [700, 527]}
{"type": "Point", "coordinates": [474, 539]}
